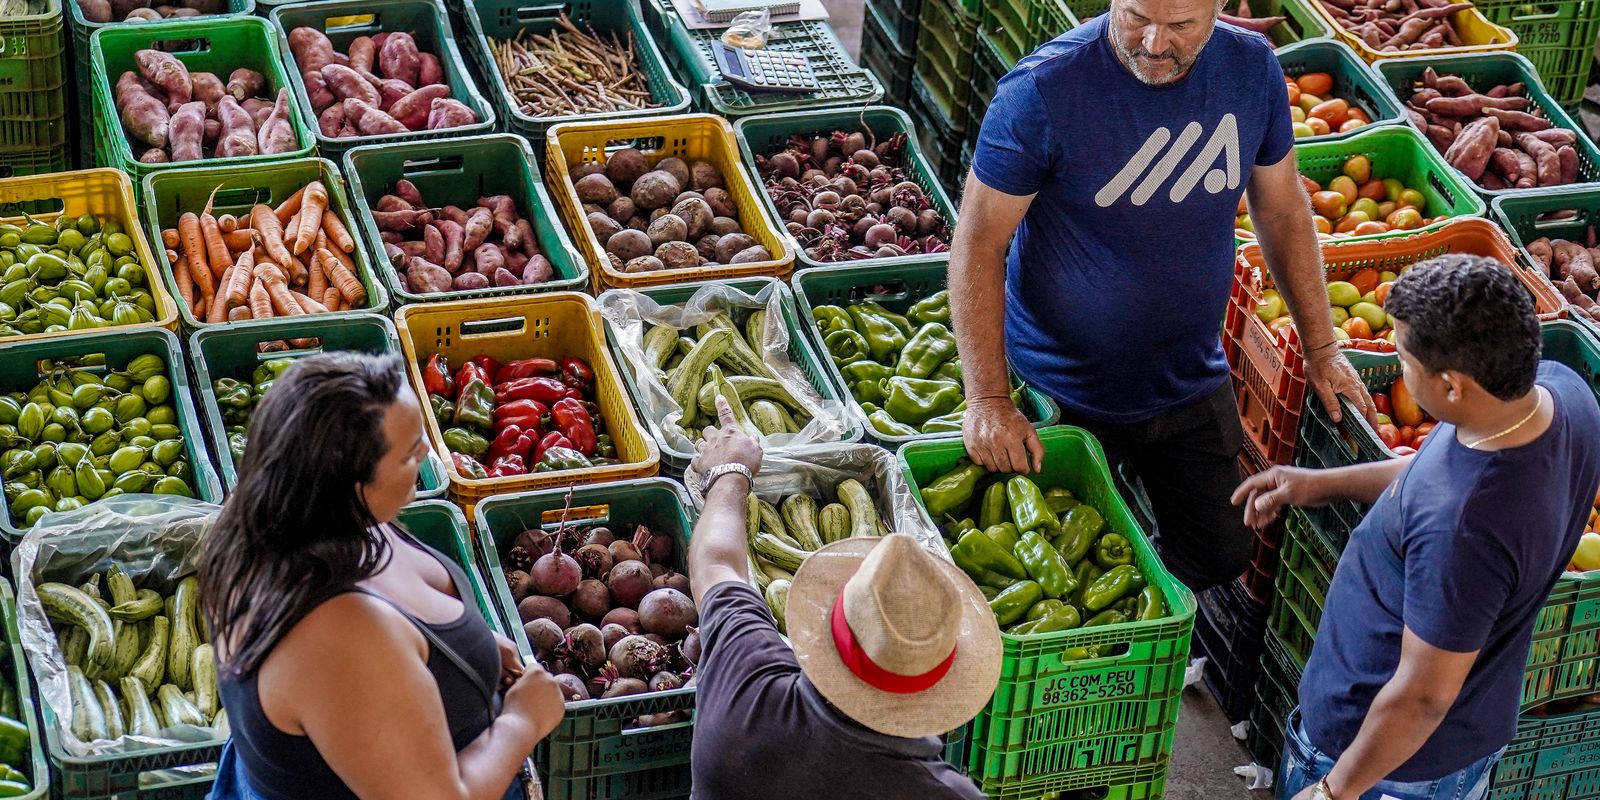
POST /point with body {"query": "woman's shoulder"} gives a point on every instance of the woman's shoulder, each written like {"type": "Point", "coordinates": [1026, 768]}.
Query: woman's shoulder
{"type": "Point", "coordinates": [351, 626]}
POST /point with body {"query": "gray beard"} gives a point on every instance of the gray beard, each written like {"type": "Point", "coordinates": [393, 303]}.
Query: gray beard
{"type": "Point", "coordinates": [1129, 59]}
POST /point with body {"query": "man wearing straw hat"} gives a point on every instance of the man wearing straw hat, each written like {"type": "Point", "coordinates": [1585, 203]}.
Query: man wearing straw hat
{"type": "Point", "coordinates": [892, 646]}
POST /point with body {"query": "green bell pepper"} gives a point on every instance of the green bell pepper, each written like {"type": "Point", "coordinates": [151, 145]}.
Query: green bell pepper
{"type": "Point", "coordinates": [1028, 508]}
{"type": "Point", "coordinates": [444, 411]}
{"type": "Point", "coordinates": [12, 788]}
{"type": "Point", "coordinates": [560, 458]}
{"type": "Point", "coordinates": [948, 371]}
{"type": "Point", "coordinates": [898, 320]}
{"type": "Point", "coordinates": [1059, 500]}
{"type": "Point", "coordinates": [1004, 534]}
{"type": "Point", "coordinates": [933, 308]}
{"type": "Point", "coordinates": [9, 700]}
{"type": "Point", "coordinates": [1073, 541]}
{"type": "Point", "coordinates": [846, 346]}
{"type": "Point", "coordinates": [1044, 565]}
{"type": "Point", "coordinates": [975, 551]}
{"type": "Point", "coordinates": [948, 423]}
{"type": "Point", "coordinates": [914, 401]}
{"type": "Point", "coordinates": [989, 592]}
{"type": "Point", "coordinates": [1086, 573]}
{"type": "Point", "coordinates": [865, 371]}
{"type": "Point", "coordinates": [884, 340]}
{"type": "Point", "coordinates": [271, 370]}
{"type": "Point", "coordinates": [475, 405]}
{"type": "Point", "coordinates": [1023, 628]}
{"type": "Point", "coordinates": [1112, 586]}
{"type": "Point", "coordinates": [1081, 525]}
{"type": "Point", "coordinates": [237, 442]}
{"type": "Point", "coordinates": [866, 391]}
{"type": "Point", "coordinates": [958, 527]}
{"type": "Point", "coordinates": [832, 318]}
{"type": "Point", "coordinates": [1113, 550]}
{"type": "Point", "coordinates": [1060, 618]}
{"type": "Point", "coordinates": [1150, 606]}
{"type": "Point", "coordinates": [461, 440]}
{"type": "Point", "coordinates": [994, 509]}
{"type": "Point", "coordinates": [952, 490]}
{"type": "Point", "coordinates": [881, 422]}
{"type": "Point", "coordinates": [1043, 607]}
{"type": "Point", "coordinates": [1110, 616]}
{"type": "Point", "coordinates": [1012, 603]}
{"type": "Point", "coordinates": [930, 346]}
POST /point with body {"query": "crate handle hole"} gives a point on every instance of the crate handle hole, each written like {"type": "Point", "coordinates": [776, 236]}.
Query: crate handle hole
{"type": "Point", "coordinates": [47, 206]}
{"type": "Point", "coordinates": [45, 366]}
{"type": "Point", "coordinates": [657, 728]}
{"type": "Point", "coordinates": [492, 327]}
{"type": "Point", "coordinates": [184, 46]}
{"type": "Point", "coordinates": [1539, 12]}
{"type": "Point", "coordinates": [581, 515]}
{"type": "Point", "coordinates": [242, 197]}
{"type": "Point", "coordinates": [1559, 219]}
{"type": "Point", "coordinates": [350, 22]}
{"type": "Point", "coordinates": [897, 290]}
{"type": "Point", "coordinates": [529, 14]}
{"type": "Point", "coordinates": [292, 352]}
{"type": "Point", "coordinates": [426, 166]}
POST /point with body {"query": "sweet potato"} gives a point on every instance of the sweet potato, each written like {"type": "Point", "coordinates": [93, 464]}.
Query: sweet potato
{"type": "Point", "coordinates": [449, 113]}
{"type": "Point", "coordinates": [453, 213]}
{"type": "Point", "coordinates": [143, 15]}
{"type": "Point", "coordinates": [244, 83]}
{"type": "Point", "coordinates": [276, 134]}
{"type": "Point", "coordinates": [430, 71]}
{"type": "Point", "coordinates": [311, 48]}
{"type": "Point", "coordinates": [537, 270]}
{"type": "Point", "coordinates": [470, 280]}
{"type": "Point", "coordinates": [412, 110]}
{"type": "Point", "coordinates": [142, 114]}
{"type": "Point", "coordinates": [407, 191]}
{"type": "Point", "coordinates": [402, 220]}
{"type": "Point", "coordinates": [390, 90]}
{"type": "Point", "coordinates": [331, 120]}
{"type": "Point", "coordinates": [478, 226]}
{"type": "Point", "coordinates": [1504, 161]}
{"type": "Point", "coordinates": [433, 239]}
{"type": "Point", "coordinates": [423, 277]}
{"type": "Point", "coordinates": [1544, 154]}
{"type": "Point", "coordinates": [167, 73]}
{"type": "Point", "coordinates": [361, 52]}
{"type": "Point", "coordinates": [1579, 267]}
{"type": "Point", "coordinates": [504, 216]}
{"type": "Point", "coordinates": [347, 84]}
{"type": "Point", "coordinates": [530, 242]}
{"type": "Point", "coordinates": [1452, 86]}
{"type": "Point", "coordinates": [1517, 120]}
{"type": "Point", "coordinates": [95, 10]}
{"type": "Point", "coordinates": [206, 87]}
{"type": "Point", "coordinates": [317, 91]}
{"type": "Point", "coordinates": [1474, 104]}
{"type": "Point", "coordinates": [369, 120]}
{"type": "Point", "coordinates": [238, 130]}
{"type": "Point", "coordinates": [1542, 252]}
{"type": "Point", "coordinates": [187, 132]}
{"type": "Point", "coordinates": [487, 258]}
{"type": "Point", "coordinates": [398, 57]}
{"type": "Point", "coordinates": [1471, 150]}
{"type": "Point", "coordinates": [1556, 136]}
{"type": "Point", "coordinates": [259, 108]}
{"type": "Point", "coordinates": [454, 237]}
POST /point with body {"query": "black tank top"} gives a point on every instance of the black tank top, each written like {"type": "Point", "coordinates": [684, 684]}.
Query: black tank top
{"type": "Point", "coordinates": [282, 766]}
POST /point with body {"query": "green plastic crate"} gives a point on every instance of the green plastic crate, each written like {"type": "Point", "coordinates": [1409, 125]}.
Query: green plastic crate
{"type": "Point", "coordinates": [219, 46]}
{"type": "Point", "coordinates": [883, 56]}
{"type": "Point", "coordinates": [229, 351]}
{"type": "Point", "coordinates": [1484, 70]}
{"type": "Point", "coordinates": [1018, 27]}
{"type": "Point", "coordinates": [34, 161]}
{"type": "Point", "coordinates": [19, 363]}
{"type": "Point", "coordinates": [940, 139]}
{"type": "Point", "coordinates": [595, 753]}
{"type": "Point", "coordinates": [898, 22]}
{"type": "Point", "coordinates": [442, 526]}
{"type": "Point", "coordinates": [343, 21]}
{"type": "Point", "coordinates": [37, 768]}
{"type": "Point", "coordinates": [1551, 758]}
{"type": "Point", "coordinates": [1302, 21]}
{"type": "Point", "coordinates": [170, 193]}
{"type": "Point", "coordinates": [1277, 694]}
{"type": "Point", "coordinates": [1305, 571]}
{"type": "Point", "coordinates": [1353, 80]}
{"type": "Point", "coordinates": [459, 171]}
{"type": "Point", "coordinates": [1557, 36]}
{"type": "Point", "coordinates": [945, 46]}
{"type": "Point", "coordinates": [1520, 216]}
{"type": "Point", "coordinates": [1056, 724]}
{"type": "Point", "coordinates": [489, 21]}
{"type": "Point", "coordinates": [33, 78]}
{"type": "Point", "coordinates": [989, 65]}
{"type": "Point", "coordinates": [802, 352]}
{"type": "Point", "coordinates": [1403, 154]}
{"type": "Point", "coordinates": [896, 289]}
{"type": "Point", "coordinates": [769, 133]}
{"type": "Point", "coordinates": [841, 82]}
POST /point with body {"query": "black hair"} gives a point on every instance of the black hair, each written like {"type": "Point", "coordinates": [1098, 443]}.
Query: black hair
{"type": "Point", "coordinates": [1470, 314]}
{"type": "Point", "coordinates": [296, 531]}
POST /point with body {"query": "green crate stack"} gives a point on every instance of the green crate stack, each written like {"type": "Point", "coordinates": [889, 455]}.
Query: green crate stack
{"type": "Point", "coordinates": [1056, 724]}
{"type": "Point", "coordinates": [33, 91]}
{"type": "Point", "coordinates": [1277, 693]}
{"type": "Point", "coordinates": [458, 172]}
{"type": "Point", "coordinates": [901, 20]}
{"type": "Point", "coordinates": [940, 142]}
{"type": "Point", "coordinates": [989, 65]}
{"type": "Point", "coordinates": [597, 753]}
{"type": "Point", "coordinates": [1018, 27]}
{"type": "Point", "coordinates": [1523, 220]}
{"type": "Point", "coordinates": [1551, 758]}
{"type": "Point", "coordinates": [1305, 570]}
{"type": "Point", "coordinates": [881, 54]}
{"type": "Point", "coordinates": [946, 42]}
{"type": "Point", "coordinates": [35, 766]}
{"type": "Point", "coordinates": [1557, 36]}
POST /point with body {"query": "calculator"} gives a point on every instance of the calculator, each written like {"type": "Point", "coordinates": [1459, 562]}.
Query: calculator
{"type": "Point", "coordinates": [764, 70]}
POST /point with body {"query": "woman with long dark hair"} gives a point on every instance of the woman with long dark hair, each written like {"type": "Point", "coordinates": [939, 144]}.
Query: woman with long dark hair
{"type": "Point", "coordinates": [354, 663]}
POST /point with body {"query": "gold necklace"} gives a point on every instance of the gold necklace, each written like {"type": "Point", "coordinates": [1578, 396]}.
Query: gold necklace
{"type": "Point", "coordinates": [1538, 403]}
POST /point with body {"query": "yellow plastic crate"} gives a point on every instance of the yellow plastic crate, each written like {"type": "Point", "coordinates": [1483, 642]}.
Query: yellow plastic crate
{"type": "Point", "coordinates": [1478, 35]}
{"type": "Point", "coordinates": [688, 136]}
{"type": "Point", "coordinates": [555, 325]}
{"type": "Point", "coordinates": [103, 192]}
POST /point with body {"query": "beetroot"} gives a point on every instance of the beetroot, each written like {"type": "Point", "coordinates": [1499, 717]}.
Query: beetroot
{"type": "Point", "coordinates": [544, 635]}
{"type": "Point", "coordinates": [638, 657]}
{"type": "Point", "coordinates": [535, 542]}
{"type": "Point", "coordinates": [592, 599]}
{"type": "Point", "coordinates": [586, 645]}
{"type": "Point", "coordinates": [657, 570]}
{"type": "Point", "coordinates": [622, 687]}
{"type": "Point", "coordinates": [672, 580]}
{"type": "Point", "coordinates": [623, 550]}
{"type": "Point", "coordinates": [611, 634]}
{"type": "Point", "coordinates": [600, 536]}
{"type": "Point", "coordinates": [664, 681]}
{"type": "Point", "coordinates": [658, 639]}
{"type": "Point", "coordinates": [668, 613]}
{"type": "Point", "coordinates": [556, 574]}
{"type": "Point", "coordinates": [626, 618]}
{"type": "Point", "coordinates": [629, 582]}
{"type": "Point", "coordinates": [594, 559]}
{"type": "Point", "coordinates": [520, 584]}
{"type": "Point", "coordinates": [656, 547]}
{"type": "Point", "coordinates": [689, 648]}
{"type": "Point", "coordinates": [573, 688]}
{"type": "Point", "coordinates": [537, 606]}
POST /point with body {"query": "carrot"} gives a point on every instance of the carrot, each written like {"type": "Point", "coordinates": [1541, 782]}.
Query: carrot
{"type": "Point", "coordinates": [218, 307]}
{"type": "Point", "coordinates": [228, 223]}
{"type": "Point", "coordinates": [271, 232]}
{"type": "Point", "coordinates": [239, 314]}
{"type": "Point", "coordinates": [283, 303]}
{"type": "Point", "coordinates": [290, 231]}
{"type": "Point", "coordinates": [274, 346]}
{"type": "Point", "coordinates": [298, 272]}
{"type": "Point", "coordinates": [172, 256]}
{"type": "Point", "coordinates": [260, 301]}
{"type": "Point", "coordinates": [317, 284]}
{"type": "Point", "coordinates": [337, 232]}
{"type": "Point", "coordinates": [311, 212]}
{"type": "Point", "coordinates": [240, 239]}
{"type": "Point", "coordinates": [238, 289]}
{"type": "Point", "coordinates": [288, 208]}
{"type": "Point", "coordinates": [169, 238]}
{"type": "Point", "coordinates": [349, 286]}
{"type": "Point", "coordinates": [332, 299]}
{"type": "Point", "coordinates": [307, 304]}
{"type": "Point", "coordinates": [216, 250]}
{"type": "Point", "coordinates": [180, 275]}
{"type": "Point", "coordinates": [194, 249]}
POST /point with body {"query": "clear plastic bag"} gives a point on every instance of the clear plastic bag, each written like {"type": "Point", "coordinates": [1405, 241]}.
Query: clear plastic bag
{"type": "Point", "coordinates": [630, 313]}
{"type": "Point", "coordinates": [749, 30]}
{"type": "Point", "coordinates": [155, 539]}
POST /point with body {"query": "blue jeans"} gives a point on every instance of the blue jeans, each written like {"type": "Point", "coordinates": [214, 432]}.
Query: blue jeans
{"type": "Point", "coordinates": [231, 783]}
{"type": "Point", "coordinates": [1304, 765]}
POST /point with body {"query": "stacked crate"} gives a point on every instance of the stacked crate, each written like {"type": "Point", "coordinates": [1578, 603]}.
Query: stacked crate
{"type": "Point", "coordinates": [889, 45]}
{"type": "Point", "coordinates": [942, 81]}
{"type": "Point", "coordinates": [33, 92]}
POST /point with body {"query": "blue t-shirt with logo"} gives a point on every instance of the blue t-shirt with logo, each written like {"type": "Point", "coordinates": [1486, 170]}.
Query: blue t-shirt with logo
{"type": "Point", "coordinates": [1463, 549]}
{"type": "Point", "coordinates": [1119, 274]}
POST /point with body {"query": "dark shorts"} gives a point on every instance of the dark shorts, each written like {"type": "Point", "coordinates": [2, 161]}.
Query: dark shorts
{"type": "Point", "coordinates": [1187, 461]}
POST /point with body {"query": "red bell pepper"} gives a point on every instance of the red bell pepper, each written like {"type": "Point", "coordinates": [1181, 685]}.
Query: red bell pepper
{"type": "Point", "coordinates": [525, 414]}
{"type": "Point", "coordinates": [572, 419]}
{"type": "Point", "coordinates": [490, 366]}
{"type": "Point", "coordinates": [506, 466]}
{"type": "Point", "coordinates": [575, 372]}
{"type": "Point", "coordinates": [469, 371]}
{"type": "Point", "coordinates": [436, 377]}
{"type": "Point", "coordinates": [527, 368]}
{"type": "Point", "coordinates": [551, 439]}
{"type": "Point", "coordinates": [468, 466]}
{"type": "Point", "coordinates": [511, 441]}
{"type": "Point", "coordinates": [542, 390]}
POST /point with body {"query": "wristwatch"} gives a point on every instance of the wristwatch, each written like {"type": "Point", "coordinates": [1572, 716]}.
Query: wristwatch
{"type": "Point", "coordinates": [724, 469]}
{"type": "Point", "coordinates": [1321, 791]}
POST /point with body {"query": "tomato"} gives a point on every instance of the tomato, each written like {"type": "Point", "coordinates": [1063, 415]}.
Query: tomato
{"type": "Point", "coordinates": [1311, 186]}
{"type": "Point", "coordinates": [1365, 280]}
{"type": "Point", "coordinates": [1389, 435]}
{"type": "Point", "coordinates": [1370, 228]}
{"type": "Point", "coordinates": [1357, 114]}
{"type": "Point", "coordinates": [1329, 204]}
{"type": "Point", "coordinates": [1324, 227]}
{"type": "Point", "coordinates": [1350, 221]}
{"type": "Point", "coordinates": [1345, 186]}
{"type": "Point", "coordinates": [1372, 190]}
{"type": "Point", "coordinates": [1294, 95]}
{"type": "Point", "coordinates": [1317, 83]}
{"type": "Point", "coordinates": [1357, 328]}
{"type": "Point", "coordinates": [1279, 324]}
{"type": "Point", "coordinates": [1406, 218]}
{"type": "Point", "coordinates": [1319, 126]}
{"type": "Point", "coordinates": [1382, 292]}
{"type": "Point", "coordinates": [1408, 434]}
{"type": "Point", "coordinates": [1333, 111]}
{"type": "Point", "coordinates": [1406, 409]}
{"type": "Point", "coordinates": [1426, 428]}
{"type": "Point", "coordinates": [1416, 444]}
{"type": "Point", "coordinates": [1359, 169]}
{"type": "Point", "coordinates": [1380, 401]}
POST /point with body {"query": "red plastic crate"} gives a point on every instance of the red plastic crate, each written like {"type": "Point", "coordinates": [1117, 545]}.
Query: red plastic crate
{"type": "Point", "coordinates": [1264, 544]}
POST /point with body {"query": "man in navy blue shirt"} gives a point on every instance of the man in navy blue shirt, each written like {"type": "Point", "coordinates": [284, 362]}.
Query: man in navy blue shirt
{"type": "Point", "coordinates": [1117, 155]}
{"type": "Point", "coordinates": [1414, 683]}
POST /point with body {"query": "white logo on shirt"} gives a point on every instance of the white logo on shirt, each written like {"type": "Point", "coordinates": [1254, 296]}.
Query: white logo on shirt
{"type": "Point", "coordinates": [1224, 140]}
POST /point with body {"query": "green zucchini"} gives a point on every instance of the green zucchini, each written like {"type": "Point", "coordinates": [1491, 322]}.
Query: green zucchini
{"type": "Point", "coordinates": [863, 514]}
{"type": "Point", "coordinates": [685, 383]}
{"type": "Point", "coordinates": [107, 700]}
{"type": "Point", "coordinates": [739, 357]}
{"type": "Point", "coordinates": [151, 667]}
{"type": "Point", "coordinates": [735, 402]}
{"type": "Point", "coordinates": [755, 329]}
{"type": "Point", "coordinates": [780, 554]}
{"type": "Point", "coordinates": [768, 417]}
{"type": "Point", "coordinates": [772, 521]}
{"type": "Point", "coordinates": [74, 644]}
{"type": "Point", "coordinates": [88, 719]}
{"type": "Point", "coordinates": [750, 389]}
{"type": "Point", "coordinates": [120, 586]}
{"type": "Point", "coordinates": [176, 709]}
{"type": "Point", "coordinates": [220, 724]}
{"type": "Point", "coordinates": [127, 650]}
{"type": "Point", "coordinates": [833, 523]}
{"type": "Point", "coordinates": [757, 573]}
{"type": "Point", "coordinates": [778, 600]}
{"type": "Point", "coordinates": [146, 603]}
{"type": "Point", "coordinates": [180, 648]}
{"type": "Point", "coordinates": [660, 342]}
{"type": "Point", "coordinates": [64, 603]}
{"type": "Point", "coordinates": [800, 517]}
{"type": "Point", "coordinates": [204, 672]}
{"type": "Point", "coordinates": [141, 718]}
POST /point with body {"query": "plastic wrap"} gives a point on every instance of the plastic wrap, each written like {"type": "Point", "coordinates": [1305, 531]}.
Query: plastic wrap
{"type": "Point", "coordinates": [629, 312]}
{"type": "Point", "coordinates": [155, 538]}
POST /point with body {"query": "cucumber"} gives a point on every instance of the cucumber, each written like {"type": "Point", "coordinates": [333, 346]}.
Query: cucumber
{"type": "Point", "coordinates": [176, 709]}
{"type": "Point", "coordinates": [151, 667]}
{"type": "Point", "coordinates": [750, 389]}
{"type": "Point", "coordinates": [113, 709]}
{"type": "Point", "coordinates": [146, 603]}
{"type": "Point", "coordinates": [204, 672]}
{"type": "Point", "coordinates": [88, 718]}
{"type": "Point", "coordinates": [800, 517]}
{"type": "Point", "coordinates": [685, 383]}
{"type": "Point", "coordinates": [180, 648]}
{"type": "Point", "coordinates": [141, 719]}
{"type": "Point", "coordinates": [833, 522]}
{"type": "Point", "coordinates": [64, 603]}
{"type": "Point", "coordinates": [863, 514]}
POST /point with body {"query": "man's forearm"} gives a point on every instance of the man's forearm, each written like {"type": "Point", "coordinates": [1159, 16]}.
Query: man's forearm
{"type": "Point", "coordinates": [1398, 724]}
{"type": "Point", "coordinates": [718, 543]}
{"type": "Point", "coordinates": [978, 311]}
{"type": "Point", "coordinates": [1294, 257]}
{"type": "Point", "coordinates": [1362, 483]}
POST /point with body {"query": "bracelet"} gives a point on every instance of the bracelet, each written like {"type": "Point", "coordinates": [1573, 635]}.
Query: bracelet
{"type": "Point", "coordinates": [726, 469]}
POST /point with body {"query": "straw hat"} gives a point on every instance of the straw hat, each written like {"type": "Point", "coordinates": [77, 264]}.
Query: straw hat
{"type": "Point", "coordinates": [895, 637]}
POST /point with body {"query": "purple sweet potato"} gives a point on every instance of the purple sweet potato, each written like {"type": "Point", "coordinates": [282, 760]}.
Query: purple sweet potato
{"type": "Point", "coordinates": [430, 71]}
{"type": "Point", "coordinates": [412, 110]}
{"type": "Point", "coordinates": [245, 83]}
{"type": "Point", "coordinates": [238, 130]}
{"type": "Point", "coordinates": [206, 87]}
{"type": "Point", "coordinates": [312, 49]}
{"type": "Point", "coordinates": [143, 116]}
{"type": "Point", "coordinates": [187, 131]}
{"type": "Point", "coordinates": [398, 58]}
{"type": "Point", "coordinates": [449, 113]}
{"type": "Point", "coordinates": [167, 73]}
{"type": "Point", "coordinates": [347, 84]}
{"type": "Point", "coordinates": [369, 120]}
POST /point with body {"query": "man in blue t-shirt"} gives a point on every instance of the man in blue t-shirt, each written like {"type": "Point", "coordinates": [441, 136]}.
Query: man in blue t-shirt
{"type": "Point", "coordinates": [1117, 155]}
{"type": "Point", "coordinates": [1414, 683]}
